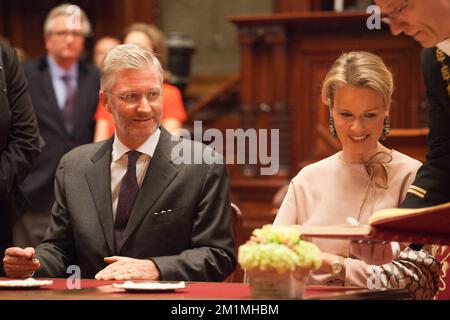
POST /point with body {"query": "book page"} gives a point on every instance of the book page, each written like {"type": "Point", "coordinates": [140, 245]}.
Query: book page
{"type": "Point", "coordinates": [434, 219]}
{"type": "Point", "coordinates": [336, 231]}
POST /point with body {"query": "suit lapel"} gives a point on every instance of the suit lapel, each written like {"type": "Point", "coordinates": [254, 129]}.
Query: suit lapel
{"type": "Point", "coordinates": [159, 175]}
{"type": "Point", "coordinates": [99, 181]}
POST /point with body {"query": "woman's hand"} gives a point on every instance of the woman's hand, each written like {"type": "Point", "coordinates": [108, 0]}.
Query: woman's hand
{"type": "Point", "coordinates": [328, 260]}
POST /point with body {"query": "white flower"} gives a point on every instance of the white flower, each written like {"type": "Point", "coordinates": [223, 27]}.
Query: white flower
{"type": "Point", "coordinates": [278, 248]}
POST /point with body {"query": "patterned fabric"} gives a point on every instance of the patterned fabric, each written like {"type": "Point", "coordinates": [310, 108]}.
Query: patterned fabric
{"type": "Point", "coordinates": [416, 271]}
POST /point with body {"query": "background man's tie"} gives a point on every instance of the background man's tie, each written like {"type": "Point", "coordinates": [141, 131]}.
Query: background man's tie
{"type": "Point", "coordinates": [129, 189]}
{"type": "Point", "coordinates": [69, 104]}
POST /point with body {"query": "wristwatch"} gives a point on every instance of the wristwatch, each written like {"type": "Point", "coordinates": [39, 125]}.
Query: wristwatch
{"type": "Point", "coordinates": [337, 266]}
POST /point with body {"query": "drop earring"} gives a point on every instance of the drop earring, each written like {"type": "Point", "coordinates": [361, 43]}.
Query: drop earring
{"type": "Point", "coordinates": [386, 128]}
{"type": "Point", "coordinates": [332, 128]}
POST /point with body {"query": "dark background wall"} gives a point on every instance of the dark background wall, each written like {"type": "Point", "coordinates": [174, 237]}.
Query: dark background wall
{"type": "Point", "coordinates": [205, 21]}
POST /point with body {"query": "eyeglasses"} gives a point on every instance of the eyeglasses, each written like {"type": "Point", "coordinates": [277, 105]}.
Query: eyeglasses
{"type": "Point", "coordinates": [133, 98]}
{"type": "Point", "coordinates": [64, 34]}
{"type": "Point", "coordinates": [394, 14]}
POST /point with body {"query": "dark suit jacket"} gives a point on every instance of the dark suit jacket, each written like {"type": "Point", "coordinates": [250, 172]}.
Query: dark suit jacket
{"type": "Point", "coordinates": [434, 175]}
{"type": "Point", "coordinates": [39, 184]}
{"type": "Point", "coordinates": [19, 141]}
{"type": "Point", "coordinates": [191, 242]}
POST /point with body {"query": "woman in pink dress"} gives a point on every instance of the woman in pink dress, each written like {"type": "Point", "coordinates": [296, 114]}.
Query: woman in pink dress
{"type": "Point", "coordinates": [362, 178]}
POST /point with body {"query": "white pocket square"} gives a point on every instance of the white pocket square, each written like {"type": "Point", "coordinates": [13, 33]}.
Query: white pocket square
{"type": "Point", "coordinates": [163, 211]}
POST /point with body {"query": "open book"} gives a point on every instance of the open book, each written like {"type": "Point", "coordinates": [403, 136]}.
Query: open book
{"type": "Point", "coordinates": [424, 225]}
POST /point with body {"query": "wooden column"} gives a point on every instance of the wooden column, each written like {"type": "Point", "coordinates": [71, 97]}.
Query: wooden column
{"type": "Point", "coordinates": [277, 40]}
{"type": "Point", "coordinates": [248, 108]}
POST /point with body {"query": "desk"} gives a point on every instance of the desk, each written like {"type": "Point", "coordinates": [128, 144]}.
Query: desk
{"type": "Point", "coordinates": [102, 290]}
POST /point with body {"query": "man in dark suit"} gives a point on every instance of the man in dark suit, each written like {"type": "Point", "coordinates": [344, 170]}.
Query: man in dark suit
{"type": "Point", "coordinates": [64, 91]}
{"type": "Point", "coordinates": [19, 141]}
{"type": "Point", "coordinates": [429, 23]}
{"type": "Point", "coordinates": [132, 207]}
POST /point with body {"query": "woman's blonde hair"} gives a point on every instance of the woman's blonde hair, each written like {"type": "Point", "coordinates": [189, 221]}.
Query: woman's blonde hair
{"type": "Point", "coordinates": [360, 69]}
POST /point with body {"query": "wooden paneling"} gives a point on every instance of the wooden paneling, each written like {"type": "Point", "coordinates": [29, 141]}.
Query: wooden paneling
{"type": "Point", "coordinates": [284, 59]}
{"type": "Point", "coordinates": [139, 11]}
{"type": "Point", "coordinates": [298, 5]}
{"type": "Point", "coordinates": [113, 16]}
{"type": "Point", "coordinates": [108, 19]}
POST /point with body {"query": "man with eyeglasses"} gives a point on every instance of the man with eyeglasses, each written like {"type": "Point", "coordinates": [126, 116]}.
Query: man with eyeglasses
{"type": "Point", "coordinates": [64, 91]}
{"type": "Point", "coordinates": [429, 23]}
{"type": "Point", "coordinates": [126, 208]}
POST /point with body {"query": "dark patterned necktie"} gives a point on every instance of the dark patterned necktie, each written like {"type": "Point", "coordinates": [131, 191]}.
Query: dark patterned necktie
{"type": "Point", "coordinates": [129, 189]}
{"type": "Point", "coordinates": [69, 103]}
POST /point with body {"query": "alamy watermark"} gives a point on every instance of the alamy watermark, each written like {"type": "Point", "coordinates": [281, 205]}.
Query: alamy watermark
{"type": "Point", "coordinates": [249, 146]}
{"type": "Point", "coordinates": [373, 277]}
{"type": "Point", "coordinates": [374, 21]}
{"type": "Point", "coordinates": [74, 280]}
{"type": "Point", "coordinates": [377, 276]}
{"type": "Point", "coordinates": [74, 20]}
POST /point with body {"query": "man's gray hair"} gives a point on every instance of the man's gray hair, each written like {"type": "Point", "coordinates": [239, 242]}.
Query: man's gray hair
{"type": "Point", "coordinates": [126, 56]}
{"type": "Point", "coordinates": [79, 21]}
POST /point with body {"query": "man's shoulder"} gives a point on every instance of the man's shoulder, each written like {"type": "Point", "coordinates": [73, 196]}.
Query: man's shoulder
{"type": "Point", "coordinates": [88, 68]}
{"type": "Point", "coordinates": [8, 61]}
{"type": "Point", "coordinates": [32, 66]}
{"type": "Point", "coordinates": [429, 57]}
{"type": "Point", "coordinates": [6, 52]}
{"type": "Point", "coordinates": [83, 154]}
{"type": "Point", "coordinates": [35, 62]}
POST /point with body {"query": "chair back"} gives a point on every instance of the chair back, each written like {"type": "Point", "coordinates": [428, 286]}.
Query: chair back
{"type": "Point", "coordinates": [237, 223]}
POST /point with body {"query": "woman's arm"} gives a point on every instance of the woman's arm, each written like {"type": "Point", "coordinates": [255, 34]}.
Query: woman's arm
{"type": "Point", "coordinates": [417, 271]}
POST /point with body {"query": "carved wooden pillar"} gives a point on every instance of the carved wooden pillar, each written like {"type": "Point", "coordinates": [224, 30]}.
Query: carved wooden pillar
{"type": "Point", "coordinates": [260, 99]}
{"type": "Point", "coordinates": [277, 39]}
{"type": "Point", "coordinates": [248, 109]}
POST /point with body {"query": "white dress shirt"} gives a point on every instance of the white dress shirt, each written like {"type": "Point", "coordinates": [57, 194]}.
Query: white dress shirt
{"type": "Point", "coordinates": [56, 73]}
{"type": "Point", "coordinates": [119, 164]}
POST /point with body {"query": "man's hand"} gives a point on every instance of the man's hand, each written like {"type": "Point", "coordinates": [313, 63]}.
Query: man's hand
{"type": "Point", "coordinates": [124, 268]}
{"type": "Point", "coordinates": [20, 263]}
